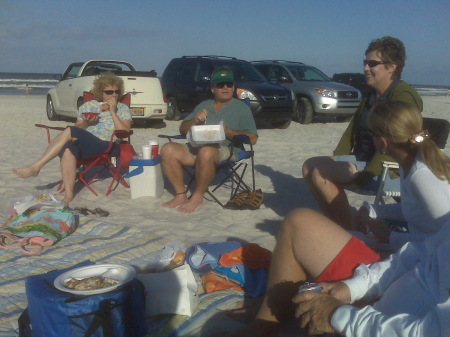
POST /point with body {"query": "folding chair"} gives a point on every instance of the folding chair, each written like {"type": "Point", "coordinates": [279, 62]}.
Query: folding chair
{"type": "Point", "coordinates": [233, 171]}
{"type": "Point", "coordinates": [438, 130]}
{"type": "Point", "coordinates": [105, 160]}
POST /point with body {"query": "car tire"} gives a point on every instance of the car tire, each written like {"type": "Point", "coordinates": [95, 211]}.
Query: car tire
{"type": "Point", "coordinates": [172, 110]}
{"type": "Point", "coordinates": [80, 102]}
{"type": "Point", "coordinates": [51, 114]}
{"type": "Point", "coordinates": [282, 124]}
{"type": "Point", "coordinates": [305, 112]}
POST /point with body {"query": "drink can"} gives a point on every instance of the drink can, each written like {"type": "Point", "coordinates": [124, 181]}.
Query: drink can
{"type": "Point", "coordinates": [155, 148]}
{"type": "Point", "coordinates": [309, 286]}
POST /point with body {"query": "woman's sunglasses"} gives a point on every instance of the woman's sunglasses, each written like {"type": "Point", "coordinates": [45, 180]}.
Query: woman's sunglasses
{"type": "Point", "coordinates": [223, 84]}
{"type": "Point", "coordinates": [110, 92]}
{"type": "Point", "coordinates": [372, 63]}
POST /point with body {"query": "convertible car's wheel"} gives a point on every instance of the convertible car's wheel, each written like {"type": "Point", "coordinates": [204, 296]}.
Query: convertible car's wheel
{"type": "Point", "coordinates": [51, 114]}
{"type": "Point", "coordinates": [305, 112]}
{"type": "Point", "coordinates": [172, 110]}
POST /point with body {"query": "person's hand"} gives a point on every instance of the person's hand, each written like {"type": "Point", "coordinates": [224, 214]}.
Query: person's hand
{"type": "Point", "coordinates": [91, 120]}
{"type": "Point", "coordinates": [315, 310]}
{"type": "Point", "coordinates": [379, 228]}
{"type": "Point", "coordinates": [200, 117]}
{"type": "Point", "coordinates": [361, 220]}
{"type": "Point", "coordinates": [339, 290]}
{"type": "Point", "coordinates": [112, 102]}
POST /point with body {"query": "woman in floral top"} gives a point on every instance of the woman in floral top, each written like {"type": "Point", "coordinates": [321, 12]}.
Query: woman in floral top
{"type": "Point", "coordinates": [90, 136]}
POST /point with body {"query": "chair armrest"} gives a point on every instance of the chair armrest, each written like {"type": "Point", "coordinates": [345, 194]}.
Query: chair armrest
{"type": "Point", "coordinates": [171, 137]}
{"type": "Point", "coordinates": [390, 165]}
{"type": "Point", "coordinates": [48, 128]}
{"type": "Point", "coordinates": [241, 139]}
{"type": "Point", "coordinates": [122, 133]}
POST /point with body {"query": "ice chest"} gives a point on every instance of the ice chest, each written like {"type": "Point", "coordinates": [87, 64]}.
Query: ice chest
{"type": "Point", "coordinates": [146, 179]}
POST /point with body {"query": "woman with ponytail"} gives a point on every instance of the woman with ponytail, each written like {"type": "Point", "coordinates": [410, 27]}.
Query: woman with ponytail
{"type": "Point", "coordinates": [397, 131]}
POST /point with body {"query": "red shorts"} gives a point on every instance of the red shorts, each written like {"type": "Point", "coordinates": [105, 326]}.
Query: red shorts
{"type": "Point", "coordinates": [344, 264]}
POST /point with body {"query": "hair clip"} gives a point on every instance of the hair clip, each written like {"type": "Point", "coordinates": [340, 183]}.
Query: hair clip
{"type": "Point", "coordinates": [419, 138]}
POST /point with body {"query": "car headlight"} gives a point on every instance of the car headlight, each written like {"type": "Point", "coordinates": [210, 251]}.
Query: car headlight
{"type": "Point", "coordinates": [326, 93]}
{"type": "Point", "coordinates": [245, 94]}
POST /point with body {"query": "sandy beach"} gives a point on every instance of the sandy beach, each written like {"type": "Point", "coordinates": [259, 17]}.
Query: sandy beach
{"type": "Point", "coordinates": [278, 160]}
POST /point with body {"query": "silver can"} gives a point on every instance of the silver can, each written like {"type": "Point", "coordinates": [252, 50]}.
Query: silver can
{"type": "Point", "coordinates": [309, 286]}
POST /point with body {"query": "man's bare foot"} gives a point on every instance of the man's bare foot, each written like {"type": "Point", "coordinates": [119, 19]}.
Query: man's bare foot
{"type": "Point", "coordinates": [191, 205]}
{"type": "Point", "coordinates": [177, 200]}
{"type": "Point", "coordinates": [25, 172]}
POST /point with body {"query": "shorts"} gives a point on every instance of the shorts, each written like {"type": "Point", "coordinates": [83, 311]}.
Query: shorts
{"type": "Point", "coordinates": [225, 152]}
{"type": "Point", "coordinates": [344, 264]}
{"type": "Point", "coordinates": [87, 145]}
{"type": "Point", "coordinates": [372, 185]}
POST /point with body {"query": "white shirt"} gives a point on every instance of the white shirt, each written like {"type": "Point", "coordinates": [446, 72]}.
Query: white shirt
{"type": "Point", "coordinates": [414, 286]}
{"type": "Point", "coordinates": [425, 205]}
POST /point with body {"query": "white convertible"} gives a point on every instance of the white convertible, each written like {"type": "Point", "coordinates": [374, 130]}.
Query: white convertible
{"type": "Point", "coordinates": [147, 100]}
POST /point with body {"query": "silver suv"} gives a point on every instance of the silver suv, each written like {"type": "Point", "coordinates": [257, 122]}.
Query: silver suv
{"type": "Point", "coordinates": [316, 93]}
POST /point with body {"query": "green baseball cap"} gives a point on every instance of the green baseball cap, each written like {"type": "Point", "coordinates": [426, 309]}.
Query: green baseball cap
{"type": "Point", "coordinates": [222, 76]}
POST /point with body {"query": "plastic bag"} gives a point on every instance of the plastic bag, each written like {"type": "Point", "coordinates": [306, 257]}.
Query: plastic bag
{"type": "Point", "coordinates": [32, 201]}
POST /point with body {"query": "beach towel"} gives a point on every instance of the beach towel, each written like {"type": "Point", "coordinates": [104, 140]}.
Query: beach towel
{"type": "Point", "coordinates": [34, 229]}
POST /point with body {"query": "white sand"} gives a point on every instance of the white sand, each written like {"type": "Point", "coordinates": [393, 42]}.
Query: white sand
{"type": "Point", "coordinates": [279, 157]}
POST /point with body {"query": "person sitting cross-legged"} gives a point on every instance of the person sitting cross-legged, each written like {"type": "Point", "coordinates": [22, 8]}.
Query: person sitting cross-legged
{"type": "Point", "coordinates": [237, 119]}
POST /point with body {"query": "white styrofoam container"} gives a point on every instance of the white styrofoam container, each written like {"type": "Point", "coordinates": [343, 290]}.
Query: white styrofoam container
{"type": "Point", "coordinates": [207, 134]}
{"type": "Point", "coordinates": [146, 178]}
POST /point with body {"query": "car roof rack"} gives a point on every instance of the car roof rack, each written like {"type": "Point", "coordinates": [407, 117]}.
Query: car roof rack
{"type": "Point", "coordinates": [210, 56]}
{"type": "Point", "coordinates": [277, 61]}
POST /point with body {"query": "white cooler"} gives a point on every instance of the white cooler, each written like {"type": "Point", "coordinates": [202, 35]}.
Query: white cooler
{"type": "Point", "coordinates": [146, 179]}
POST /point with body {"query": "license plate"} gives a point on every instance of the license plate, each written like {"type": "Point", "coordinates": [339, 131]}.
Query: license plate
{"type": "Point", "coordinates": [137, 111]}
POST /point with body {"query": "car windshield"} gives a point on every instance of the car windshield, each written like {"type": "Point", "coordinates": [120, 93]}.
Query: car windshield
{"type": "Point", "coordinates": [307, 73]}
{"type": "Point", "coordinates": [243, 71]}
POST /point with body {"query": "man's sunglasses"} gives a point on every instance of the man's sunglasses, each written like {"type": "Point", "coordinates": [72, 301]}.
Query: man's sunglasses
{"type": "Point", "coordinates": [372, 63]}
{"type": "Point", "coordinates": [223, 84]}
{"type": "Point", "coordinates": [110, 92]}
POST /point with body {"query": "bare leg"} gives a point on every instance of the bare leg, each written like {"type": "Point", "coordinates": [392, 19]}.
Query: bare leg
{"type": "Point", "coordinates": [205, 170]}
{"type": "Point", "coordinates": [325, 176]}
{"type": "Point", "coordinates": [174, 156]}
{"type": "Point", "coordinates": [306, 244]}
{"type": "Point", "coordinates": [68, 174]}
{"type": "Point", "coordinates": [53, 150]}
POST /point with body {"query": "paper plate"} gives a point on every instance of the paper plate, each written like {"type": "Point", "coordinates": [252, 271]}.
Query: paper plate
{"type": "Point", "coordinates": [119, 272]}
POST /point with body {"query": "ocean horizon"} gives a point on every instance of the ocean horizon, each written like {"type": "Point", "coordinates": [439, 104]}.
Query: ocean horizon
{"type": "Point", "coordinates": [41, 83]}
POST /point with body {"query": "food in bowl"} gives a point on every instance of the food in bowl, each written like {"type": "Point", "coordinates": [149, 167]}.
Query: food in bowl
{"type": "Point", "coordinates": [90, 283]}
{"type": "Point", "coordinates": [90, 115]}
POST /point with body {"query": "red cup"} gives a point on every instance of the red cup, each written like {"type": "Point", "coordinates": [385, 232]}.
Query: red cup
{"type": "Point", "coordinates": [90, 114]}
{"type": "Point", "coordinates": [155, 148]}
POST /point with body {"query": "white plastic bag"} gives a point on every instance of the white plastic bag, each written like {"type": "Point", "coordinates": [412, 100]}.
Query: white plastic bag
{"type": "Point", "coordinates": [21, 204]}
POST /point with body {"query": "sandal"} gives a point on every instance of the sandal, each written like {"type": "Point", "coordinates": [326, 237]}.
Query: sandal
{"type": "Point", "coordinates": [253, 200]}
{"type": "Point", "coordinates": [237, 201]}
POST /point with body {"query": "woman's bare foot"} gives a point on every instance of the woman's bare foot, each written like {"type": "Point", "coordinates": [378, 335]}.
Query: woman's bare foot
{"type": "Point", "coordinates": [67, 199]}
{"type": "Point", "coordinates": [177, 200]}
{"type": "Point", "coordinates": [191, 205]}
{"type": "Point", "coordinates": [25, 172]}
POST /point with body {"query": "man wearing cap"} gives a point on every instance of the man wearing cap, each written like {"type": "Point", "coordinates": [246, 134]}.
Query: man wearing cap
{"type": "Point", "coordinates": [237, 119]}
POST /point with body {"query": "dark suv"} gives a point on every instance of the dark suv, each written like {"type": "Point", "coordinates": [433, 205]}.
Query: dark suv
{"type": "Point", "coordinates": [356, 80]}
{"type": "Point", "coordinates": [186, 83]}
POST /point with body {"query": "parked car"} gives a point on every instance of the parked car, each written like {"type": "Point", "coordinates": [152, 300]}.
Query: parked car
{"type": "Point", "coordinates": [356, 80]}
{"type": "Point", "coordinates": [316, 93]}
{"type": "Point", "coordinates": [147, 101]}
{"type": "Point", "coordinates": [186, 83]}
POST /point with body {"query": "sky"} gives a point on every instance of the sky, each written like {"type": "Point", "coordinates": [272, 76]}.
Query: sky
{"type": "Point", "coordinates": [45, 36]}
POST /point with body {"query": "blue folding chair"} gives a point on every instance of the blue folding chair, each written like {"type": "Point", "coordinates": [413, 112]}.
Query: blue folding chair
{"type": "Point", "coordinates": [233, 170]}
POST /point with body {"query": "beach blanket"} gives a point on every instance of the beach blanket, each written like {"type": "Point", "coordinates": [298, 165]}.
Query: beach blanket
{"type": "Point", "coordinates": [93, 240]}
{"type": "Point", "coordinates": [103, 242]}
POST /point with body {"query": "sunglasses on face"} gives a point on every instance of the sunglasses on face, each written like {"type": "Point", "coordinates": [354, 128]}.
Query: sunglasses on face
{"type": "Point", "coordinates": [110, 92]}
{"type": "Point", "coordinates": [372, 63]}
{"type": "Point", "coordinates": [223, 84]}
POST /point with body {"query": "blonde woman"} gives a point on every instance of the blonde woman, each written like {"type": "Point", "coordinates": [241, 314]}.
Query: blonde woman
{"type": "Point", "coordinates": [397, 131]}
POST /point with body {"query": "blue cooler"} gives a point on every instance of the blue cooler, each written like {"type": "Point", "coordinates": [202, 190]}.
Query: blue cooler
{"type": "Point", "coordinates": [146, 178]}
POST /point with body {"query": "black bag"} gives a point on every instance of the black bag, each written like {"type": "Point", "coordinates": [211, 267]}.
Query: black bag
{"type": "Point", "coordinates": [54, 313]}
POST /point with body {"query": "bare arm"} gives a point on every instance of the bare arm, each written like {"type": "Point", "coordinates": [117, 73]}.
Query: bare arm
{"type": "Point", "coordinates": [229, 133]}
